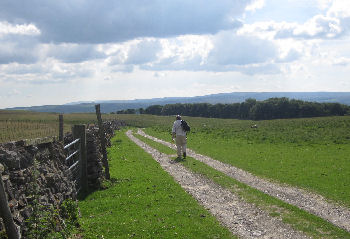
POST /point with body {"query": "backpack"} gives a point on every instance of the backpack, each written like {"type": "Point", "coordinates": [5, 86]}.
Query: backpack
{"type": "Point", "coordinates": [185, 126]}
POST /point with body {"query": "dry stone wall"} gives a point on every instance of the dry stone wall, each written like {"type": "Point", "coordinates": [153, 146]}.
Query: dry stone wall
{"type": "Point", "coordinates": [25, 166]}
{"type": "Point", "coordinates": [53, 180]}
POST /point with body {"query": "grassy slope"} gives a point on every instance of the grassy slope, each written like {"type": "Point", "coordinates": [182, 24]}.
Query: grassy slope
{"type": "Point", "coordinates": [309, 153]}
{"type": "Point", "coordinates": [144, 202]}
{"type": "Point", "coordinates": [297, 218]}
{"type": "Point", "coordinates": [324, 169]}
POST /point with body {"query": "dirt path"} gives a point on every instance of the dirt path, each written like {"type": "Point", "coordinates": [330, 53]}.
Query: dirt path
{"type": "Point", "coordinates": [315, 204]}
{"type": "Point", "coordinates": [241, 218]}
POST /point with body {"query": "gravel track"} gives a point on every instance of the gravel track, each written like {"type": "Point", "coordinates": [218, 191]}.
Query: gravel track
{"type": "Point", "coordinates": [310, 202]}
{"type": "Point", "coordinates": [241, 218]}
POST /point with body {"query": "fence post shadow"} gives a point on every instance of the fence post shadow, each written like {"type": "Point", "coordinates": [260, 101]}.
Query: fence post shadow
{"type": "Point", "coordinates": [5, 212]}
{"type": "Point", "coordinates": [60, 128]}
{"type": "Point", "coordinates": [103, 142]}
{"type": "Point", "coordinates": [79, 132]}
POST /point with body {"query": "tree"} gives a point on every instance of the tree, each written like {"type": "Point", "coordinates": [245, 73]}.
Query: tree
{"type": "Point", "coordinates": [244, 109]}
{"type": "Point", "coordinates": [154, 110]}
{"type": "Point", "coordinates": [272, 108]}
{"type": "Point", "coordinates": [141, 110]}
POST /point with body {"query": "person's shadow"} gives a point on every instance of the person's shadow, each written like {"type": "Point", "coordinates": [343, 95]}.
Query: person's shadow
{"type": "Point", "coordinates": [179, 159]}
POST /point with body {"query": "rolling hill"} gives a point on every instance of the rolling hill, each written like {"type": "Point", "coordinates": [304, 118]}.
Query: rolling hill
{"type": "Point", "coordinates": [115, 105]}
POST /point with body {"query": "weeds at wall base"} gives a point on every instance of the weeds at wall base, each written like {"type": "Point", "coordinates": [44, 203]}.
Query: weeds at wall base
{"type": "Point", "coordinates": [47, 222]}
{"type": "Point", "coordinates": [3, 234]}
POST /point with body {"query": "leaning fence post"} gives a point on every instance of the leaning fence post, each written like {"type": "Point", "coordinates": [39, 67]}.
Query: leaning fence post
{"type": "Point", "coordinates": [103, 141]}
{"type": "Point", "coordinates": [80, 133]}
{"type": "Point", "coordinates": [5, 212]}
{"type": "Point", "coordinates": [60, 128]}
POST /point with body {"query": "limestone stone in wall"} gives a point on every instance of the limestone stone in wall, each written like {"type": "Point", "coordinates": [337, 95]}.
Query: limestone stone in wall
{"type": "Point", "coordinates": [94, 158]}
{"type": "Point", "coordinates": [52, 179]}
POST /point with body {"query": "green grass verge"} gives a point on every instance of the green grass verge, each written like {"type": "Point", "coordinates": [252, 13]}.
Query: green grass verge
{"type": "Point", "coordinates": [161, 147]}
{"type": "Point", "coordinates": [297, 218]}
{"type": "Point", "coordinates": [143, 201]}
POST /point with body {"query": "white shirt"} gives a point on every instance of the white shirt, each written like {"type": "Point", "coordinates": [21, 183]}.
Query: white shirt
{"type": "Point", "coordinates": [177, 128]}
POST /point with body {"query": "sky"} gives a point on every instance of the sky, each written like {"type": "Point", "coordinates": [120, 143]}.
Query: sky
{"type": "Point", "coordinates": [56, 52]}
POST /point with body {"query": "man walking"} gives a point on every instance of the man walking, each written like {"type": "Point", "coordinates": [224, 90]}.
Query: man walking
{"type": "Point", "coordinates": [179, 134]}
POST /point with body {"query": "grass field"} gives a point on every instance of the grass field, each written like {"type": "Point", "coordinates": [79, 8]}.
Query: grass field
{"type": "Point", "coordinates": [297, 218]}
{"type": "Point", "coordinates": [143, 202]}
{"type": "Point", "coordinates": [311, 153]}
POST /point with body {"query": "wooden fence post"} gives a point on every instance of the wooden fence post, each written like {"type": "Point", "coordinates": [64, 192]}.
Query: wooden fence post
{"type": "Point", "coordinates": [5, 212]}
{"type": "Point", "coordinates": [60, 128]}
{"type": "Point", "coordinates": [79, 132]}
{"type": "Point", "coordinates": [103, 141]}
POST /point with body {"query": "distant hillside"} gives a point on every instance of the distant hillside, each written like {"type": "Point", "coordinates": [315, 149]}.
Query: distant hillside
{"type": "Point", "coordinates": [82, 108]}
{"type": "Point", "coordinates": [236, 97]}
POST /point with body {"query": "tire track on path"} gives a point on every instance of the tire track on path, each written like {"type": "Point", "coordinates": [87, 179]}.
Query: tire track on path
{"type": "Point", "coordinates": [239, 217]}
{"type": "Point", "coordinates": [312, 203]}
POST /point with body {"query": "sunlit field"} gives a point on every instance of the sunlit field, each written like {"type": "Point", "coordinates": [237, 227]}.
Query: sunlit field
{"type": "Point", "coordinates": [312, 153]}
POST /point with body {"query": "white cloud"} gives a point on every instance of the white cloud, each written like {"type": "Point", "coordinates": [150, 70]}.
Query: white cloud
{"type": "Point", "coordinates": [73, 53]}
{"type": "Point", "coordinates": [22, 69]}
{"type": "Point", "coordinates": [159, 74]}
{"type": "Point", "coordinates": [13, 93]}
{"type": "Point", "coordinates": [342, 61]}
{"type": "Point", "coordinates": [333, 21]}
{"type": "Point", "coordinates": [21, 49]}
{"type": "Point", "coordinates": [48, 72]}
{"type": "Point", "coordinates": [232, 49]}
{"type": "Point", "coordinates": [317, 27]}
{"type": "Point", "coordinates": [20, 29]}
{"type": "Point", "coordinates": [135, 52]}
{"type": "Point", "coordinates": [27, 50]}
{"type": "Point", "coordinates": [144, 52]}
{"type": "Point", "coordinates": [290, 56]}
{"type": "Point", "coordinates": [257, 4]}
{"type": "Point", "coordinates": [224, 52]}
{"type": "Point", "coordinates": [339, 8]}
{"type": "Point", "coordinates": [116, 21]}
{"type": "Point", "coordinates": [324, 4]}
{"type": "Point", "coordinates": [122, 68]}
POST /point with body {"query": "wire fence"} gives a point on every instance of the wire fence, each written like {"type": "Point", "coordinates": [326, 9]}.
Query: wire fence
{"type": "Point", "coordinates": [73, 161]}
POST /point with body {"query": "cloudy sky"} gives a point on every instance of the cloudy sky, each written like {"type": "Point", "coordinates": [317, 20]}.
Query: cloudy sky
{"type": "Point", "coordinates": [55, 52]}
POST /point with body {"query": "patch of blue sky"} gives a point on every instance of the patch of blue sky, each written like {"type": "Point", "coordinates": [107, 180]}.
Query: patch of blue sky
{"type": "Point", "coordinates": [298, 11]}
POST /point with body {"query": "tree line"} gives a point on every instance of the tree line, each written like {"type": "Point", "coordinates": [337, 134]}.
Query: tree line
{"type": "Point", "coordinates": [273, 108]}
